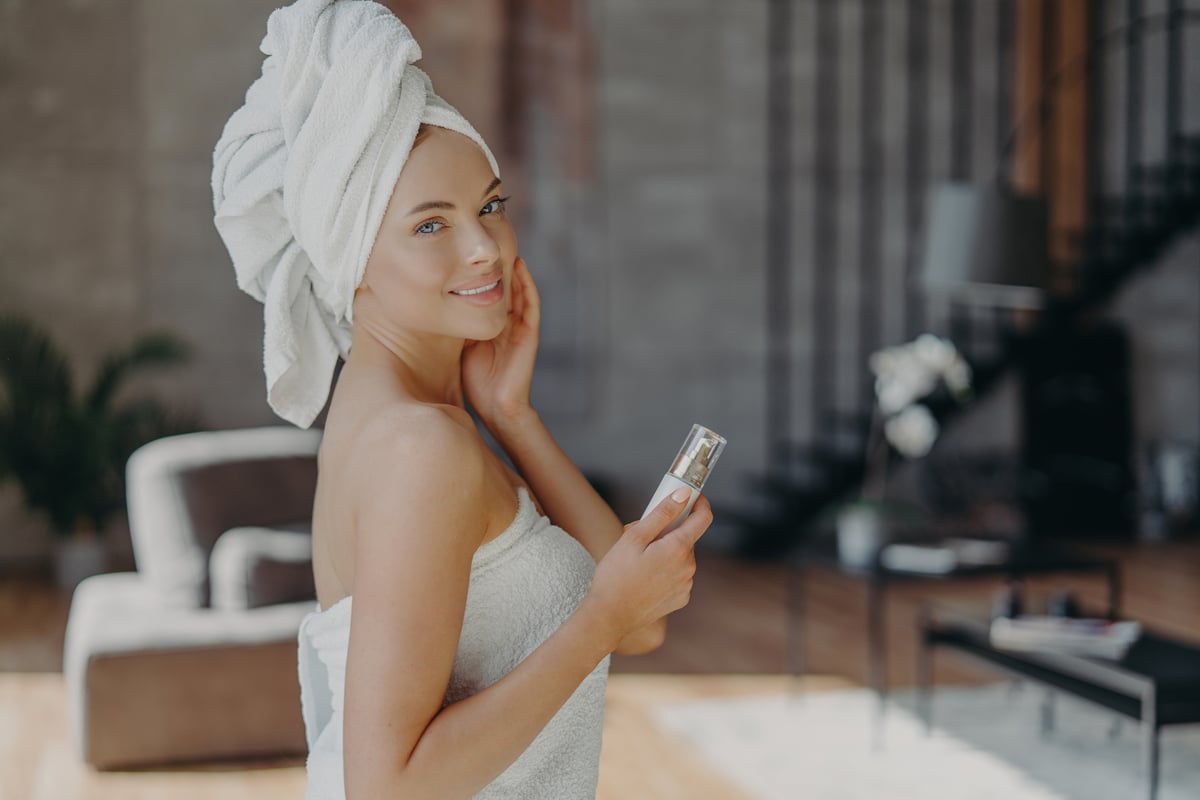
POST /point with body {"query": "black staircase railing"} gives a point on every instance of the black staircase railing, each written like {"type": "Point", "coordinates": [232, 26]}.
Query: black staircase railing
{"type": "Point", "coordinates": [1127, 232]}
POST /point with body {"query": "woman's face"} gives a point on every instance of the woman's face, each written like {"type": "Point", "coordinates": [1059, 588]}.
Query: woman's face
{"type": "Point", "coordinates": [445, 232]}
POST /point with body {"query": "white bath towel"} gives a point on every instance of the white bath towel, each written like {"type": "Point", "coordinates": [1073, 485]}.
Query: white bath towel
{"type": "Point", "coordinates": [302, 174]}
{"type": "Point", "coordinates": [524, 584]}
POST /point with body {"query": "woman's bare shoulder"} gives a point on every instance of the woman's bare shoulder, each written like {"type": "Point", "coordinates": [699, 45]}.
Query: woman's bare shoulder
{"type": "Point", "coordinates": [419, 497]}
{"type": "Point", "coordinates": [380, 478]}
{"type": "Point", "coordinates": [403, 428]}
{"type": "Point", "coordinates": [413, 444]}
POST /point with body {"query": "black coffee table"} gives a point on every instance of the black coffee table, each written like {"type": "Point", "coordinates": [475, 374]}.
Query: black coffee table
{"type": "Point", "coordinates": [1023, 561]}
{"type": "Point", "coordinates": [1157, 682]}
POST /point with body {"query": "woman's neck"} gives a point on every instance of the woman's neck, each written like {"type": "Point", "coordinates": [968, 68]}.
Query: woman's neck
{"type": "Point", "coordinates": [426, 367]}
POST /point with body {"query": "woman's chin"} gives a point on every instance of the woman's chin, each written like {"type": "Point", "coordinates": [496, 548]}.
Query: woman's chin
{"type": "Point", "coordinates": [484, 332]}
{"type": "Point", "coordinates": [492, 334]}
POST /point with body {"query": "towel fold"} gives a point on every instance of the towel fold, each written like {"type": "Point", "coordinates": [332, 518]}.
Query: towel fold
{"type": "Point", "coordinates": [302, 175]}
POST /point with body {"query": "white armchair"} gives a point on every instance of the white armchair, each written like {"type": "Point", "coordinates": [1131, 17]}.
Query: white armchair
{"type": "Point", "coordinates": [193, 656]}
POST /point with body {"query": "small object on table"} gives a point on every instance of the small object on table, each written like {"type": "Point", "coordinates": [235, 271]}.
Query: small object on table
{"type": "Point", "coordinates": [1063, 604]}
{"type": "Point", "coordinates": [926, 559]}
{"type": "Point", "coordinates": [942, 556]}
{"type": "Point", "coordinates": [1007, 603]}
{"type": "Point", "coordinates": [1084, 637]}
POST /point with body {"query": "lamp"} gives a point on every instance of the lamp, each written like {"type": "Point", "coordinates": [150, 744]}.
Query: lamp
{"type": "Point", "coordinates": [986, 245]}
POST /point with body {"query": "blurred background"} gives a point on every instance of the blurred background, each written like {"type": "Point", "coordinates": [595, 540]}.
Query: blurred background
{"type": "Point", "coordinates": [728, 207]}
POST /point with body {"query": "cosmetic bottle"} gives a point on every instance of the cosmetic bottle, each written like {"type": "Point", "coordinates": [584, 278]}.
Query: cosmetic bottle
{"type": "Point", "coordinates": [690, 470]}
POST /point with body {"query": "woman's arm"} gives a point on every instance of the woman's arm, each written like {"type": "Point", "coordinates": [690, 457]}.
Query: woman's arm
{"type": "Point", "coordinates": [565, 493]}
{"type": "Point", "coordinates": [569, 500]}
{"type": "Point", "coordinates": [497, 375]}
{"type": "Point", "coordinates": [414, 541]}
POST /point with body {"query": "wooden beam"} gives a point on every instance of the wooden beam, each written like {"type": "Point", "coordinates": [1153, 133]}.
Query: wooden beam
{"type": "Point", "coordinates": [1028, 80]}
{"type": "Point", "coordinates": [1069, 165]}
{"type": "Point", "coordinates": [1049, 155]}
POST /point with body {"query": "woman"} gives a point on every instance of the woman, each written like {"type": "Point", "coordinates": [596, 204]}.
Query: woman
{"type": "Point", "coordinates": [461, 640]}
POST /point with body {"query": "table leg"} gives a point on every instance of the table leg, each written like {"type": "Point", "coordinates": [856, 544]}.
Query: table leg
{"type": "Point", "coordinates": [877, 647]}
{"type": "Point", "coordinates": [1114, 591]}
{"type": "Point", "coordinates": [1047, 712]}
{"type": "Point", "coordinates": [1150, 742]}
{"type": "Point", "coordinates": [796, 621]}
{"type": "Point", "coordinates": [924, 671]}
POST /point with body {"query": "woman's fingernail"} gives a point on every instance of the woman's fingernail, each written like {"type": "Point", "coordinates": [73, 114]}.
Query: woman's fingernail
{"type": "Point", "coordinates": [681, 494]}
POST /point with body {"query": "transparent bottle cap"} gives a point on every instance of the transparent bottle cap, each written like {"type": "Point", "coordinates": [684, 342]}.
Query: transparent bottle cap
{"type": "Point", "coordinates": [696, 458]}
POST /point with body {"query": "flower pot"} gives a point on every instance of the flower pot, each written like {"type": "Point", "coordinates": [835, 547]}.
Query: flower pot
{"type": "Point", "coordinates": [76, 558]}
{"type": "Point", "coordinates": [860, 534]}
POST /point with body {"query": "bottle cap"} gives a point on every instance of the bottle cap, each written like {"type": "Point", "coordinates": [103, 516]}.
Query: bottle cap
{"type": "Point", "coordinates": [697, 456]}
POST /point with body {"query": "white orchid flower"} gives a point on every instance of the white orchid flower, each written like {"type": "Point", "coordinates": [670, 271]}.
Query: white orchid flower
{"type": "Point", "coordinates": [884, 362]}
{"type": "Point", "coordinates": [913, 431]}
{"type": "Point", "coordinates": [906, 373]}
{"type": "Point", "coordinates": [934, 352]}
{"type": "Point", "coordinates": [897, 391]}
{"type": "Point", "coordinates": [957, 376]}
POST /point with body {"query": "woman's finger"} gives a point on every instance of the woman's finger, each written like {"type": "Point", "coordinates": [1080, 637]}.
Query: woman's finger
{"type": "Point", "coordinates": [517, 287]}
{"type": "Point", "coordinates": [701, 517]}
{"type": "Point", "coordinates": [696, 523]}
{"type": "Point", "coordinates": [531, 299]}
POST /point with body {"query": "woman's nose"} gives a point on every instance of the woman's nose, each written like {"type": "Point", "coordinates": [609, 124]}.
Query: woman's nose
{"type": "Point", "coordinates": [482, 248]}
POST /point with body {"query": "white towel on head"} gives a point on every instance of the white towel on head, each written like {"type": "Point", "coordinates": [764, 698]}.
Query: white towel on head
{"type": "Point", "coordinates": [302, 175]}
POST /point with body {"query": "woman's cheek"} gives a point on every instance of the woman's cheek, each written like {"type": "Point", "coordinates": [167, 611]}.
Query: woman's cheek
{"type": "Point", "coordinates": [508, 240]}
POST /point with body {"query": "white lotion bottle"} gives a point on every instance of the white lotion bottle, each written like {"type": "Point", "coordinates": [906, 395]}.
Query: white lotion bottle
{"type": "Point", "coordinates": [690, 470]}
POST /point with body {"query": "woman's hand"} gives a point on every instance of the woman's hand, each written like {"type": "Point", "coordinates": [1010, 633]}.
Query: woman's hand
{"type": "Point", "coordinates": [497, 373]}
{"type": "Point", "coordinates": [643, 577]}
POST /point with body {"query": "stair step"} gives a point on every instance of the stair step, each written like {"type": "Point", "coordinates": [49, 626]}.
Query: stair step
{"type": "Point", "coordinates": [783, 487]}
{"type": "Point", "coordinates": [822, 454]}
{"type": "Point", "coordinates": [1184, 143]}
{"type": "Point", "coordinates": [856, 420]}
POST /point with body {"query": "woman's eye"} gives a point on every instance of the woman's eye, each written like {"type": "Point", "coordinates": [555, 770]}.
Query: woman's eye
{"type": "Point", "coordinates": [493, 206]}
{"type": "Point", "coordinates": [428, 227]}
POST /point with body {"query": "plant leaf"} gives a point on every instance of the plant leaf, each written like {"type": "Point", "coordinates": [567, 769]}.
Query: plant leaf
{"type": "Point", "coordinates": [69, 458]}
{"type": "Point", "coordinates": [151, 350]}
{"type": "Point", "coordinates": [34, 374]}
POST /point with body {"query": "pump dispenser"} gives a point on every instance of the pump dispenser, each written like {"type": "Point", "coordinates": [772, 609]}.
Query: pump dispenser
{"type": "Point", "coordinates": [690, 470]}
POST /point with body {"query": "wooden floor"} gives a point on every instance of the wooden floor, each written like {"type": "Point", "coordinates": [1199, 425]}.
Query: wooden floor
{"type": "Point", "coordinates": [732, 639]}
{"type": "Point", "coordinates": [737, 621]}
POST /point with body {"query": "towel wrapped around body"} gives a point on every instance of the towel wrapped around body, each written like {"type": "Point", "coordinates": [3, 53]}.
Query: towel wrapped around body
{"type": "Point", "coordinates": [524, 584]}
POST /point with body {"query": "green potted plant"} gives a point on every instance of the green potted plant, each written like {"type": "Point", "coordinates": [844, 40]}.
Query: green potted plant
{"type": "Point", "coordinates": [68, 452]}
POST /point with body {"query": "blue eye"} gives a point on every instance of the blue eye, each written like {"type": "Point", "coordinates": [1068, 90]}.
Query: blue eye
{"type": "Point", "coordinates": [427, 227]}
{"type": "Point", "coordinates": [494, 206]}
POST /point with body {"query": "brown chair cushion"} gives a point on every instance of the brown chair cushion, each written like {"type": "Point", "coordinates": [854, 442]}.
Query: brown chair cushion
{"type": "Point", "coordinates": [257, 566]}
{"type": "Point", "coordinates": [271, 492]}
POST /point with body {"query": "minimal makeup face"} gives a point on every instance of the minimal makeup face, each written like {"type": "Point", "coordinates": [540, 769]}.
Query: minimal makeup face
{"type": "Point", "coordinates": [445, 229]}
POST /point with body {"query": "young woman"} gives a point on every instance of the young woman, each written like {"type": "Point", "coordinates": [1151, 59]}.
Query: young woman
{"type": "Point", "coordinates": [466, 611]}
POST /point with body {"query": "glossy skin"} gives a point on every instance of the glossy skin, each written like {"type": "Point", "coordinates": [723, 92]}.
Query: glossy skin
{"type": "Point", "coordinates": [408, 489]}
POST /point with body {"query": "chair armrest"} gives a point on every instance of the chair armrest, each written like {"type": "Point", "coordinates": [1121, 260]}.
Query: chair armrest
{"type": "Point", "coordinates": [255, 566]}
{"type": "Point", "coordinates": [147, 682]}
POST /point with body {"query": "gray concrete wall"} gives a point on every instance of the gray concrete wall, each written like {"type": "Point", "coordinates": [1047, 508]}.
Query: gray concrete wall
{"type": "Point", "coordinates": [69, 194]}
{"type": "Point", "coordinates": [683, 190]}
{"type": "Point", "coordinates": [108, 116]}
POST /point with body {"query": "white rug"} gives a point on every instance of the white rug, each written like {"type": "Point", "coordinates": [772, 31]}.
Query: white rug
{"type": "Point", "coordinates": [986, 744]}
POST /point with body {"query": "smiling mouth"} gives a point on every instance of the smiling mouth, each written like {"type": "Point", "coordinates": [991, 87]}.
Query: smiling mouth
{"type": "Point", "coordinates": [480, 290]}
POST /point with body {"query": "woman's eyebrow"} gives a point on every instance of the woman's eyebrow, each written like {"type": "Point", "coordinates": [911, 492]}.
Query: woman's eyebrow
{"type": "Point", "coordinates": [431, 204]}
{"type": "Point", "coordinates": [446, 205]}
